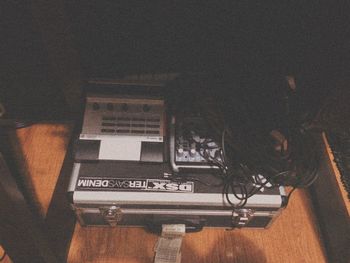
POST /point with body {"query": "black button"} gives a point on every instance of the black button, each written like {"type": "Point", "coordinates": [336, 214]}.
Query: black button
{"type": "Point", "coordinates": [125, 107]}
{"type": "Point", "coordinates": [109, 118]}
{"type": "Point", "coordinates": [110, 106]}
{"type": "Point", "coordinates": [146, 108]}
{"type": "Point", "coordinates": [95, 106]}
{"type": "Point", "coordinates": [108, 124]}
{"type": "Point", "coordinates": [107, 130]}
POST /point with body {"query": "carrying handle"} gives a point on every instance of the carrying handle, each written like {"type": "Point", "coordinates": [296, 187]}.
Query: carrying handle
{"type": "Point", "coordinates": [192, 225]}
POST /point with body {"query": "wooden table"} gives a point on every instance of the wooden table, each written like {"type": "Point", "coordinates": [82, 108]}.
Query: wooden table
{"type": "Point", "coordinates": [293, 237]}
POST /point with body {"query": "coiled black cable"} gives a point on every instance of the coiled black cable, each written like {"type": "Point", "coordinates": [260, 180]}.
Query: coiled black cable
{"type": "Point", "coordinates": [248, 153]}
{"type": "Point", "coordinates": [248, 159]}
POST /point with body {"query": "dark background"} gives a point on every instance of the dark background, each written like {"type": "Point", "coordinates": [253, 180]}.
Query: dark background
{"type": "Point", "coordinates": [251, 44]}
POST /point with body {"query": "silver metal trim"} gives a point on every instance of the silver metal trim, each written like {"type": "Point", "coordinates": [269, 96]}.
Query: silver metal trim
{"type": "Point", "coordinates": [132, 211]}
{"type": "Point", "coordinates": [164, 198]}
{"type": "Point", "coordinates": [74, 177]}
{"type": "Point", "coordinates": [112, 214]}
{"type": "Point", "coordinates": [172, 145]}
{"type": "Point", "coordinates": [241, 217]}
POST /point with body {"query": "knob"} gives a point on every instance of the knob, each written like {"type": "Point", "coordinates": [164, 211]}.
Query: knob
{"type": "Point", "coordinates": [146, 108]}
{"type": "Point", "coordinates": [217, 155]}
{"type": "Point", "coordinates": [180, 152]}
{"type": "Point", "coordinates": [125, 107]}
{"type": "Point", "coordinates": [193, 149]}
{"type": "Point", "coordinates": [193, 152]}
{"type": "Point", "coordinates": [95, 106]}
{"type": "Point", "coordinates": [110, 106]}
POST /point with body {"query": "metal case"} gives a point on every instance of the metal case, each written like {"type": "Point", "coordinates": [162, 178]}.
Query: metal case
{"type": "Point", "coordinates": [110, 193]}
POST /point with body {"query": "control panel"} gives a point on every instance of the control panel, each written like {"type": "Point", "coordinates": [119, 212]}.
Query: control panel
{"type": "Point", "coordinates": [123, 116]}
{"type": "Point", "coordinates": [122, 129]}
{"type": "Point", "coordinates": [191, 146]}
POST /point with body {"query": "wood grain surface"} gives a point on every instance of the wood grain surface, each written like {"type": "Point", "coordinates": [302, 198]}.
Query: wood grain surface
{"type": "Point", "coordinates": [330, 207]}
{"type": "Point", "coordinates": [337, 175]}
{"type": "Point", "coordinates": [293, 237]}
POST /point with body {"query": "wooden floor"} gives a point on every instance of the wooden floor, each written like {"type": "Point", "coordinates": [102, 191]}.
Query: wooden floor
{"type": "Point", "coordinates": [293, 237]}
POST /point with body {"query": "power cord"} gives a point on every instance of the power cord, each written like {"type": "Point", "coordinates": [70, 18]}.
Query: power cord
{"type": "Point", "coordinates": [247, 150]}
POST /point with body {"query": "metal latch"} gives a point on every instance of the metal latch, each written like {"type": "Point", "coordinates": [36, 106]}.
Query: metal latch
{"type": "Point", "coordinates": [113, 214]}
{"type": "Point", "coordinates": [241, 217]}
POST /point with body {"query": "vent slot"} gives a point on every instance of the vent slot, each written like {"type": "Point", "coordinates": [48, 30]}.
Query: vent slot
{"type": "Point", "coordinates": [152, 132]}
{"type": "Point", "coordinates": [108, 124]}
{"type": "Point", "coordinates": [107, 130]}
{"type": "Point", "coordinates": [122, 124]}
{"type": "Point", "coordinates": [123, 131]}
{"type": "Point", "coordinates": [109, 118]}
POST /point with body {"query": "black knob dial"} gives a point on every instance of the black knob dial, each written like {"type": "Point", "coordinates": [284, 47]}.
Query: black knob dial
{"type": "Point", "coordinates": [95, 106]}
{"type": "Point", "coordinates": [146, 108]}
{"type": "Point", "coordinates": [110, 106]}
{"type": "Point", "coordinates": [125, 107]}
